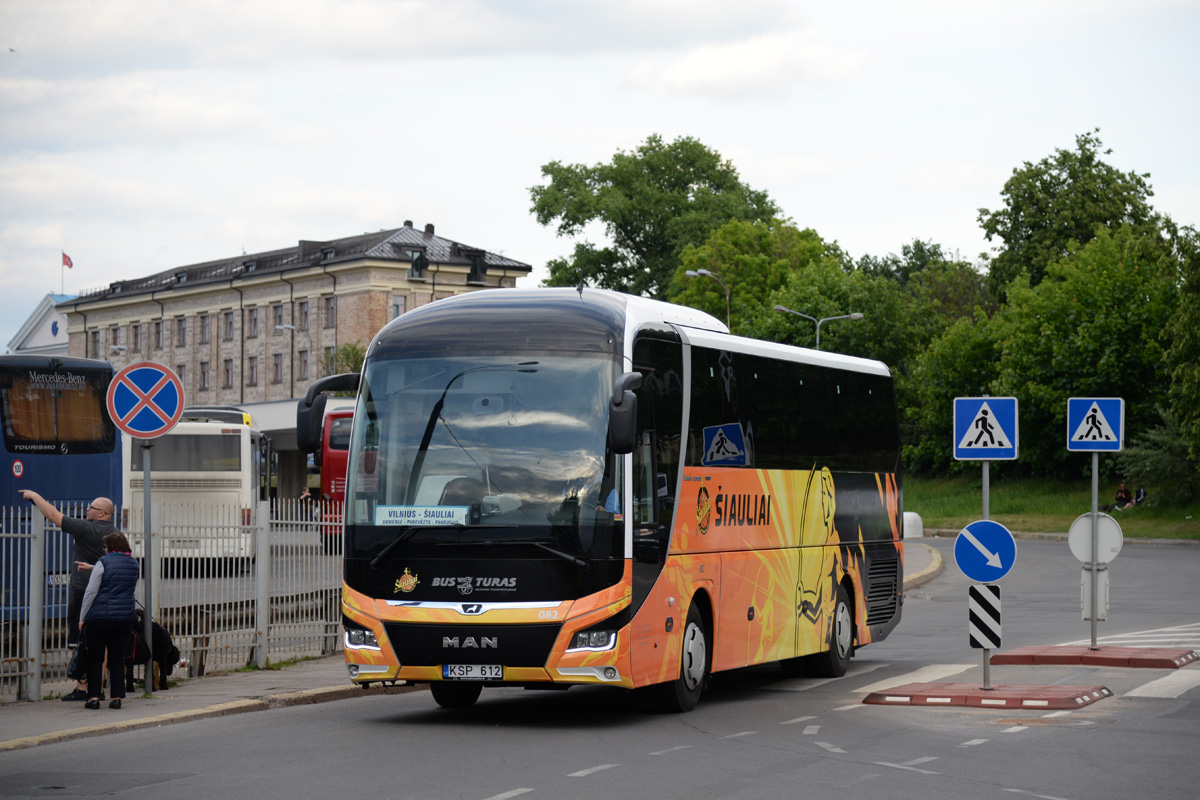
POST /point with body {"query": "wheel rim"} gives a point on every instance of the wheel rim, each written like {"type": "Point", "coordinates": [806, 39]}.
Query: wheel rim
{"type": "Point", "coordinates": [841, 629]}
{"type": "Point", "coordinates": [694, 656]}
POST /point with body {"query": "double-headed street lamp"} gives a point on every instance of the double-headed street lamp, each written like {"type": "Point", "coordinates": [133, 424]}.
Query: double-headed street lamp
{"type": "Point", "coordinates": [855, 315]}
{"type": "Point", "coordinates": [693, 273]}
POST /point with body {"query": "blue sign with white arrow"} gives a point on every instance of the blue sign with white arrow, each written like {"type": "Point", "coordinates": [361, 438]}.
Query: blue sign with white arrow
{"type": "Point", "coordinates": [985, 551]}
{"type": "Point", "coordinates": [985, 428]}
{"type": "Point", "coordinates": [1096, 424]}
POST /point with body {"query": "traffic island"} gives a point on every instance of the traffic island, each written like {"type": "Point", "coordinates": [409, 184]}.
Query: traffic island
{"type": "Point", "coordinates": [1134, 657]}
{"type": "Point", "coordinates": [972, 695]}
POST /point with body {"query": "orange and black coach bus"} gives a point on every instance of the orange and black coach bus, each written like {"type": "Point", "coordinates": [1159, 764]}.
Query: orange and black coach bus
{"type": "Point", "coordinates": [550, 487]}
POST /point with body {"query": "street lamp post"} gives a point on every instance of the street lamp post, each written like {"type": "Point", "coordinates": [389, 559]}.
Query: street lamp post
{"type": "Point", "coordinates": [693, 273]}
{"type": "Point", "coordinates": [855, 315]}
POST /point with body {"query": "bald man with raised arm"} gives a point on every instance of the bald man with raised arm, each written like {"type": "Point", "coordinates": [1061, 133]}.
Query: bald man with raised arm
{"type": "Point", "coordinates": [89, 536]}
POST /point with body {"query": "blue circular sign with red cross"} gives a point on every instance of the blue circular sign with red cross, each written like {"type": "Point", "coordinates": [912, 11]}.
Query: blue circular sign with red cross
{"type": "Point", "coordinates": [145, 400]}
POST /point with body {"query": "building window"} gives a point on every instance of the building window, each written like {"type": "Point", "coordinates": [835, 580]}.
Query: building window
{"type": "Point", "coordinates": [205, 328]}
{"type": "Point", "coordinates": [330, 364]}
{"type": "Point", "coordinates": [252, 371]}
{"type": "Point", "coordinates": [330, 312]}
{"type": "Point", "coordinates": [158, 334]}
{"type": "Point", "coordinates": [302, 315]}
{"type": "Point", "coordinates": [252, 323]}
{"type": "Point", "coordinates": [399, 304]}
{"type": "Point", "coordinates": [203, 376]}
{"type": "Point", "coordinates": [302, 358]}
{"type": "Point", "coordinates": [277, 368]}
{"type": "Point", "coordinates": [114, 338]}
{"type": "Point", "coordinates": [228, 326]}
{"type": "Point", "coordinates": [227, 379]}
{"type": "Point", "coordinates": [95, 344]}
{"type": "Point", "coordinates": [277, 316]}
{"type": "Point", "coordinates": [419, 264]}
{"type": "Point", "coordinates": [181, 371]}
{"type": "Point", "coordinates": [180, 332]}
{"type": "Point", "coordinates": [135, 338]}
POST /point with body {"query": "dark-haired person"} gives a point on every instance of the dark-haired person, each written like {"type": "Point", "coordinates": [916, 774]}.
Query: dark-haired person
{"type": "Point", "coordinates": [89, 536]}
{"type": "Point", "coordinates": [108, 615]}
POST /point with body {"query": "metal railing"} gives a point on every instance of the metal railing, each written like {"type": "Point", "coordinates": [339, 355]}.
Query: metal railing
{"type": "Point", "coordinates": [235, 587]}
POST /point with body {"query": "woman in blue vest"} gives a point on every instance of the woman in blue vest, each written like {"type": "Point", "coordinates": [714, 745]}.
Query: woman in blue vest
{"type": "Point", "coordinates": [107, 617]}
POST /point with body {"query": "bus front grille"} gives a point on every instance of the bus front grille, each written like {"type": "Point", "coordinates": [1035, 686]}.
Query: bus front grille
{"type": "Point", "coordinates": [509, 645]}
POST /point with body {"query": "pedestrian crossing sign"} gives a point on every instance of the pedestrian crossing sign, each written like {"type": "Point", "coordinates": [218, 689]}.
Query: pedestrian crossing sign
{"type": "Point", "coordinates": [1096, 424]}
{"type": "Point", "coordinates": [724, 446]}
{"type": "Point", "coordinates": [985, 428]}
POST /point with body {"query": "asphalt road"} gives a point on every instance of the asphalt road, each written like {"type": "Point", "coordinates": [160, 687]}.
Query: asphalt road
{"type": "Point", "coordinates": [754, 735]}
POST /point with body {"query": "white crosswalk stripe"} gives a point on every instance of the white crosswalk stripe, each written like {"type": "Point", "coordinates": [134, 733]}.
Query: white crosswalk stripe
{"type": "Point", "coordinates": [1187, 636]}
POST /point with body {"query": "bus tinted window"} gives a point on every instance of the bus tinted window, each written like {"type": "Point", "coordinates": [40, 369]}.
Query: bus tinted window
{"type": "Point", "coordinates": [339, 433]}
{"type": "Point", "coordinates": [55, 411]}
{"type": "Point", "coordinates": [191, 453]}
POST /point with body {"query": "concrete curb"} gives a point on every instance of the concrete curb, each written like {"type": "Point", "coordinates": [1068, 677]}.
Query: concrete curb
{"type": "Point", "coordinates": [284, 700]}
{"type": "Point", "coordinates": [929, 573]}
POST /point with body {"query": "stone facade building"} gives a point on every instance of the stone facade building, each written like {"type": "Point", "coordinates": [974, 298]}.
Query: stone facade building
{"type": "Point", "coordinates": [256, 330]}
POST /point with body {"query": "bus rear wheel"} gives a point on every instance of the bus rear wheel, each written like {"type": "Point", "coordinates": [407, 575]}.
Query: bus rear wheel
{"type": "Point", "coordinates": [834, 662]}
{"type": "Point", "coordinates": [683, 693]}
{"type": "Point", "coordinates": [455, 695]}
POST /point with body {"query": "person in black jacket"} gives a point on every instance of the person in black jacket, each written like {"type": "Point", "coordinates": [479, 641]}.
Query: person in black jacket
{"type": "Point", "coordinates": [108, 615]}
{"type": "Point", "coordinates": [88, 535]}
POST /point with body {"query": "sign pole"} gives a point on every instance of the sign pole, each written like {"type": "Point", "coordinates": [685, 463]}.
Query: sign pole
{"type": "Point", "coordinates": [148, 565]}
{"type": "Point", "coordinates": [987, 500]}
{"type": "Point", "coordinates": [1095, 545]}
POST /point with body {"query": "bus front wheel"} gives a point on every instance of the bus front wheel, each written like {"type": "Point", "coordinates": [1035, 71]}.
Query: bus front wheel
{"type": "Point", "coordinates": [683, 693]}
{"type": "Point", "coordinates": [449, 694]}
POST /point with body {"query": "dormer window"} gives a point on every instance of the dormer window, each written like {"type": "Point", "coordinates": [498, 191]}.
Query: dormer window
{"type": "Point", "coordinates": [249, 266]}
{"type": "Point", "coordinates": [180, 277]}
{"type": "Point", "coordinates": [327, 253]}
{"type": "Point", "coordinates": [419, 264]}
{"type": "Point", "coordinates": [478, 269]}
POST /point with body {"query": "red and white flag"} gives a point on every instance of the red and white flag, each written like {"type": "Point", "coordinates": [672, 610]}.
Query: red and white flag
{"type": "Point", "coordinates": [67, 261]}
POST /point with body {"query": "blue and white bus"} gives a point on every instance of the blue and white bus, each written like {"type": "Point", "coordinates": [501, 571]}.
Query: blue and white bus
{"type": "Point", "coordinates": [59, 441]}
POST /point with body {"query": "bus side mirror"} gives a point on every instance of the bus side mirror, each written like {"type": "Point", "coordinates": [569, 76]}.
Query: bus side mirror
{"type": "Point", "coordinates": [310, 412]}
{"type": "Point", "coordinates": [622, 413]}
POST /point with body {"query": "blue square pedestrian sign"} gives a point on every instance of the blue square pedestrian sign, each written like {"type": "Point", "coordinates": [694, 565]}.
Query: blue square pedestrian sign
{"type": "Point", "coordinates": [985, 428]}
{"type": "Point", "coordinates": [1096, 424]}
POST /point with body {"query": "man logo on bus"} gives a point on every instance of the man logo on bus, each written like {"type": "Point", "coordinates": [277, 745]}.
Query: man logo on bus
{"type": "Point", "coordinates": [406, 582]}
{"type": "Point", "coordinates": [703, 510]}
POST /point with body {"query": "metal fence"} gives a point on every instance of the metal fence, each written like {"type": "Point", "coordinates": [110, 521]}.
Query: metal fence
{"type": "Point", "coordinates": [233, 586]}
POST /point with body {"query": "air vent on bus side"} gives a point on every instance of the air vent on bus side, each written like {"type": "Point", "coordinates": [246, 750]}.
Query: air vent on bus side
{"type": "Point", "coordinates": [882, 590]}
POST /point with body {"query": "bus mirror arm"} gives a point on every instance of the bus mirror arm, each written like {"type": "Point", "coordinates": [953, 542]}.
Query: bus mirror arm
{"type": "Point", "coordinates": [310, 411]}
{"type": "Point", "coordinates": [622, 413]}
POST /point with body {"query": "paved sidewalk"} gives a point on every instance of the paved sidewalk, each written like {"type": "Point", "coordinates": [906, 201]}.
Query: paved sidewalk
{"type": "Point", "coordinates": [320, 680]}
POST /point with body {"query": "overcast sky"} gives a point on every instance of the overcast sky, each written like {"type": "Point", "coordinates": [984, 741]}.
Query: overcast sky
{"type": "Point", "coordinates": [140, 136]}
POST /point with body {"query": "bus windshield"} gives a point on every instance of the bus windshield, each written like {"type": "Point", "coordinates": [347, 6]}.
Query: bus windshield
{"type": "Point", "coordinates": [503, 452]}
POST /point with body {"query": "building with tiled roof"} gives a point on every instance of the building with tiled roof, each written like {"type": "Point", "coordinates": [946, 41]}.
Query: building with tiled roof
{"type": "Point", "coordinates": [254, 330]}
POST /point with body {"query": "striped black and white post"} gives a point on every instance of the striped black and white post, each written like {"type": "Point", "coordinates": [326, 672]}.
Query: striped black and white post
{"type": "Point", "coordinates": [983, 612]}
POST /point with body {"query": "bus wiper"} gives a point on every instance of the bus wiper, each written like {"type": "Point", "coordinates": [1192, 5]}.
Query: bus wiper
{"type": "Point", "coordinates": [411, 531]}
{"type": "Point", "coordinates": [579, 562]}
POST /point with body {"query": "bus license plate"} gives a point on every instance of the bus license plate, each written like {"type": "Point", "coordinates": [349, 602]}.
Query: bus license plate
{"type": "Point", "coordinates": [472, 672]}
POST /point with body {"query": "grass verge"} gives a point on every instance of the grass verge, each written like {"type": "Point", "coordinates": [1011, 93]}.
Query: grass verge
{"type": "Point", "coordinates": [1038, 506]}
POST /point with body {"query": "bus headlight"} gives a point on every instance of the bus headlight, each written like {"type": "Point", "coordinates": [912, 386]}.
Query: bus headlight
{"type": "Point", "coordinates": [360, 639]}
{"type": "Point", "coordinates": [593, 640]}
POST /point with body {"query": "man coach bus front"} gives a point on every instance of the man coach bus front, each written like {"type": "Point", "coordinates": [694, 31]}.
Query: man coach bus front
{"type": "Point", "coordinates": [511, 514]}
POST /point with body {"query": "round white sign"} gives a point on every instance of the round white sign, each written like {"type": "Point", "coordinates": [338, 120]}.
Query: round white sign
{"type": "Point", "coordinates": [1108, 539]}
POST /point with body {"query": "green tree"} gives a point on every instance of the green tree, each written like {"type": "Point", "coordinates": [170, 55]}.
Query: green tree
{"type": "Point", "coordinates": [1061, 199]}
{"type": "Point", "coordinates": [652, 202]}
{"type": "Point", "coordinates": [752, 258]}
{"type": "Point", "coordinates": [347, 358]}
{"type": "Point", "coordinates": [1184, 355]}
{"type": "Point", "coordinates": [1093, 328]}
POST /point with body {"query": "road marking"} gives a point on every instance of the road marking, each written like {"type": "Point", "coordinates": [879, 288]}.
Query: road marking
{"type": "Point", "coordinates": [798, 719]}
{"type": "Point", "coordinates": [671, 750]}
{"type": "Point", "coordinates": [507, 795]}
{"type": "Point", "coordinates": [738, 735]}
{"type": "Point", "coordinates": [804, 684]}
{"type": "Point", "coordinates": [851, 708]}
{"type": "Point", "coordinates": [585, 772]}
{"type": "Point", "coordinates": [1031, 794]}
{"type": "Point", "coordinates": [911, 765]}
{"type": "Point", "coordinates": [811, 730]}
{"type": "Point", "coordinates": [929, 674]}
{"type": "Point", "coordinates": [1174, 636]}
{"type": "Point", "coordinates": [1055, 714]}
{"type": "Point", "coordinates": [831, 748]}
{"type": "Point", "coordinates": [1172, 685]}
{"type": "Point", "coordinates": [973, 742]}
{"type": "Point", "coordinates": [1015, 729]}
